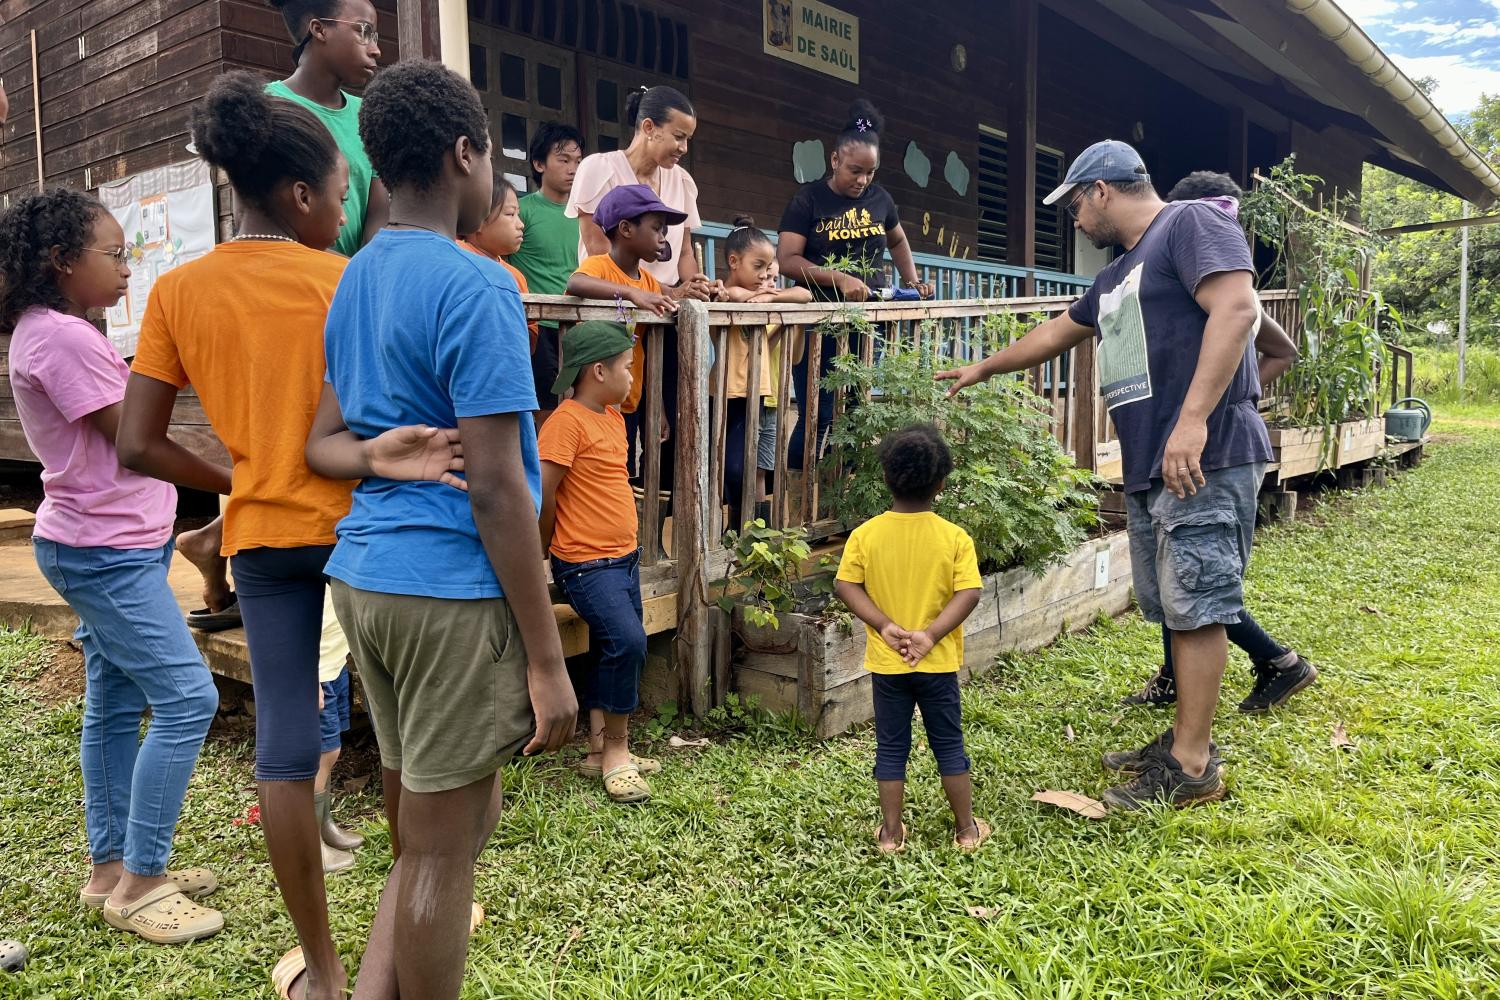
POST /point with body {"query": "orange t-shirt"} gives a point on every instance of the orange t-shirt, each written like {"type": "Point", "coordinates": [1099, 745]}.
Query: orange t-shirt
{"type": "Point", "coordinates": [603, 267]}
{"type": "Point", "coordinates": [244, 326]}
{"type": "Point", "coordinates": [595, 507]}
{"type": "Point", "coordinates": [520, 282]}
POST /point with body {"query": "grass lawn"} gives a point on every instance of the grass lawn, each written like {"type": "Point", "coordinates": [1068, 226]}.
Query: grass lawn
{"type": "Point", "coordinates": [1371, 872]}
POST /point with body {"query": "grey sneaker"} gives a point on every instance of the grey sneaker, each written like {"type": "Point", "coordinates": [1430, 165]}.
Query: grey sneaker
{"type": "Point", "coordinates": [1162, 781]}
{"type": "Point", "coordinates": [1275, 687]}
{"type": "Point", "coordinates": [1131, 761]}
{"type": "Point", "coordinates": [1158, 691]}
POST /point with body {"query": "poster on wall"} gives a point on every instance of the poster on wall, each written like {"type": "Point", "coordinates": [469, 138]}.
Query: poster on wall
{"type": "Point", "coordinates": [168, 218]}
{"type": "Point", "coordinates": [814, 35]}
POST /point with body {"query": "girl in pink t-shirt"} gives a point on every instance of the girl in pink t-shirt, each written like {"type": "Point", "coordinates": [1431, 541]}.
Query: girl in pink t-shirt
{"type": "Point", "coordinates": [103, 540]}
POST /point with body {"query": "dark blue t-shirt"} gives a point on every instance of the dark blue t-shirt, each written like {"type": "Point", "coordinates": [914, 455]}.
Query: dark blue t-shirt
{"type": "Point", "coordinates": [421, 331]}
{"type": "Point", "coordinates": [1151, 333]}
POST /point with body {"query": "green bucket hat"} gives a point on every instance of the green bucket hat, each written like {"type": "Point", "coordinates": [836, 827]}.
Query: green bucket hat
{"type": "Point", "coordinates": [586, 343]}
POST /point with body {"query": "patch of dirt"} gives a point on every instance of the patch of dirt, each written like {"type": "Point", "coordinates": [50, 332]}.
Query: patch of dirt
{"type": "Point", "coordinates": [61, 678]}
{"type": "Point", "coordinates": [1447, 438]}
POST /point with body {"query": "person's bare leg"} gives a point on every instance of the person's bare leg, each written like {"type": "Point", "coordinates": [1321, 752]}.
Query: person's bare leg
{"type": "Point", "coordinates": [201, 548]}
{"type": "Point", "coordinates": [292, 840]}
{"type": "Point", "coordinates": [436, 885]}
{"type": "Point", "coordinates": [596, 737]}
{"type": "Point", "coordinates": [104, 877]}
{"type": "Point", "coordinates": [1199, 657]}
{"type": "Point", "coordinates": [376, 978]}
{"type": "Point", "coordinates": [325, 770]}
{"type": "Point", "coordinates": [616, 742]}
{"type": "Point", "coordinates": [892, 801]}
{"type": "Point", "coordinates": [960, 792]}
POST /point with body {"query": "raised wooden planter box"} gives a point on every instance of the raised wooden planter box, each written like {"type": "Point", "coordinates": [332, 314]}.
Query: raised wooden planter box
{"type": "Point", "coordinates": [1299, 451]}
{"type": "Point", "coordinates": [1360, 440]}
{"type": "Point", "coordinates": [817, 669]}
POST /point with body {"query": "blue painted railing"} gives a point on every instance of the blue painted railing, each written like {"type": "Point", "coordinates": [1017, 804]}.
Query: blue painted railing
{"type": "Point", "coordinates": [952, 278]}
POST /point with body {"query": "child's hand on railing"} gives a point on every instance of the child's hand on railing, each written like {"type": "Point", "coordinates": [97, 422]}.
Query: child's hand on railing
{"type": "Point", "coordinates": [651, 301]}
{"type": "Point", "coordinates": [697, 287]}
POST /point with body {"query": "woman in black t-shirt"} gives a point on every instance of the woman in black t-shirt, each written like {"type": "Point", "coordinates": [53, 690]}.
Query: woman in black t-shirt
{"type": "Point", "coordinates": [834, 236]}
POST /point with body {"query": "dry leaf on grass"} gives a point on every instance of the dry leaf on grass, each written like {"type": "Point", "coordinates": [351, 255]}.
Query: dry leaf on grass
{"type": "Point", "coordinates": [1367, 609]}
{"type": "Point", "coordinates": [1339, 739]}
{"type": "Point", "coordinates": [680, 743]}
{"type": "Point", "coordinates": [1068, 732]}
{"type": "Point", "coordinates": [356, 783]}
{"type": "Point", "coordinates": [1073, 802]}
{"type": "Point", "coordinates": [983, 912]}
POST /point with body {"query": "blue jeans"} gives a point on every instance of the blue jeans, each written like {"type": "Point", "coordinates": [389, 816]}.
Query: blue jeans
{"type": "Point", "coordinates": [937, 695]}
{"type": "Point", "coordinates": [606, 593]}
{"type": "Point", "coordinates": [137, 652]}
{"type": "Point", "coordinates": [333, 720]}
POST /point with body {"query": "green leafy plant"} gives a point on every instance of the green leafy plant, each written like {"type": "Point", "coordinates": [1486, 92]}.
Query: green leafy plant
{"type": "Point", "coordinates": [1013, 489]}
{"type": "Point", "coordinates": [1324, 259]}
{"type": "Point", "coordinates": [765, 575]}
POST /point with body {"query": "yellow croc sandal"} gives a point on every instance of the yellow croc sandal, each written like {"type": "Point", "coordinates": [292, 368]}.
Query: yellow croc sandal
{"type": "Point", "coordinates": [645, 765]}
{"type": "Point", "coordinates": [165, 916]}
{"type": "Point", "coordinates": [625, 785]}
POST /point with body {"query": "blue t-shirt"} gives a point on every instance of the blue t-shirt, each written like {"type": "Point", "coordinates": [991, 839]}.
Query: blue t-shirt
{"type": "Point", "coordinates": [421, 331]}
{"type": "Point", "coordinates": [1151, 334]}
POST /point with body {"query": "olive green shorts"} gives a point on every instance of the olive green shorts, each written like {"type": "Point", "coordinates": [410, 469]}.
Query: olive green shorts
{"type": "Point", "coordinates": [444, 680]}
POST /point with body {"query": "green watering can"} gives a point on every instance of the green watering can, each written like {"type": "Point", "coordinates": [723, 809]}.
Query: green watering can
{"type": "Point", "coordinates": [1408, 424]}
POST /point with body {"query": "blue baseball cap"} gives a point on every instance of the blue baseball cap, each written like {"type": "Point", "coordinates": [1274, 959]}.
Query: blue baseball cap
{"type": "Point", "coordinates": [1110, 160]}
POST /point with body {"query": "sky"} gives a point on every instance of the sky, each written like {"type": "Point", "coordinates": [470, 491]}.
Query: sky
{"type": "Point", "coordinates": [1455, 41]}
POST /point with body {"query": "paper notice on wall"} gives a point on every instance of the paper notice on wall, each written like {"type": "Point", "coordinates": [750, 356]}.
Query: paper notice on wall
{"type": "Point", "coordinates": [168, 218]}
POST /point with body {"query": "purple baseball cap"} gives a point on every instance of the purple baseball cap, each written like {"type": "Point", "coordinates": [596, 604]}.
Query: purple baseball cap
{"type": "Point", "coordinates": [631, 201]}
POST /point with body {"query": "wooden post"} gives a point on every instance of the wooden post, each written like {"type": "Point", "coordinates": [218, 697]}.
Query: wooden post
{"type": "Point", "coordinates": [418, 29]}
{"type": "Point", "coordinates": [690, 509]}
{"type": "Point", "coordinates": [748, 494]}
{"type": "Point", "coordinates": [1086, 399]}
{"type": "Point", "coordinates": [1238, 146]}
{"type": "Point", "coordinates": [1020, 142]}
{"type": "Point", "coordinates": [36, 113]}
{"type": "Point", "coordinates": [651, 428]}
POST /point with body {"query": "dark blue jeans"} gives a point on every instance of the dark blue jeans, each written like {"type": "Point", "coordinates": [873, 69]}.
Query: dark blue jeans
{"type": "Point", "coordinates": [606, 593]}
{"type": "Point", "coordinates": [281, 600]}
{"type": "Point", "coordinates": [937, 695]}
{"type": "Point", "coordinates": [1246, 634]}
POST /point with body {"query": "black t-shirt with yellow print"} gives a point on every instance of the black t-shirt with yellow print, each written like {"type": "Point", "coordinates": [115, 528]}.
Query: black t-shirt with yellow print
{"type": "Point", "coordinates": [837, 227]}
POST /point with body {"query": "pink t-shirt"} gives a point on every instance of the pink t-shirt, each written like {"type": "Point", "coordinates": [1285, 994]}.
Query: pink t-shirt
{"type": "Point", "coordinates": [601, 173]}
{"type": "Point", "coordinates": [61, 370]}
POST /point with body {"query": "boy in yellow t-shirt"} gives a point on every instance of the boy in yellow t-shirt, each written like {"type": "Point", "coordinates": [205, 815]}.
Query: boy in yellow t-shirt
{"type": "Point", "coordinates": [913, 579]}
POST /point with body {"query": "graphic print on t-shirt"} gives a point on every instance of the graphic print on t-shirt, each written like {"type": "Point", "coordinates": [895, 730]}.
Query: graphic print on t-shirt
{"type": "Point", "coordinates": [855, 224]}
{"type": "Point", "coordinates": [1124, 368]}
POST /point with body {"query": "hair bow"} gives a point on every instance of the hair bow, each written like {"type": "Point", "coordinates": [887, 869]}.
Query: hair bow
{"type": "Point", "coordinates": [863, 124]}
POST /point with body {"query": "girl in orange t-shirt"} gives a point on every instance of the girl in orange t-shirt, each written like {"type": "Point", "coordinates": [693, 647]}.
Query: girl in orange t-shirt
{"type": "Point", "coordinates": [501, 235]}
{"type": "Point", "coordinates": [244, 326]}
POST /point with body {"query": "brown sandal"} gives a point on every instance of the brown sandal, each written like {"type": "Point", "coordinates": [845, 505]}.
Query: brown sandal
{"type": "Point", "coordinates": [984, 831]}
{"type": "Point", "coordinates": [896, 848]}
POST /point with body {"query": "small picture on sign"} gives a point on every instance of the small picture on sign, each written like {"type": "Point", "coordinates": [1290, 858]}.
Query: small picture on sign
{"type": "Point", "coordinates": [779, 15]}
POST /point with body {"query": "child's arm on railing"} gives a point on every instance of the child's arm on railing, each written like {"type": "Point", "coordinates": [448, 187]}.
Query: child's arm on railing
{"type": "Point", "coordinates": [552, 477]}
{"type": "Point", "coordinates": [587, 287]}
{"type": "Point", "coordinates": [858, 600]}
{"type": "Point", "coordinates": [920, 642]}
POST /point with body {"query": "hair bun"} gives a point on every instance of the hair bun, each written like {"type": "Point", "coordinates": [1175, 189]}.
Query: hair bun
{"type": "Point", "coordinates": [747, 221]}
{"type": "Point", "coordinates": [235, 121]}
{"type": "Point", "coordinates": [865, 117]}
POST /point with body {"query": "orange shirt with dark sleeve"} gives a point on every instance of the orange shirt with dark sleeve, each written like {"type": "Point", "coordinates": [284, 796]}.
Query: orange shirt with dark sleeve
{"type": "Point", "coordinates": [603, 267]}
{"type": "Point", "coordinates": [595, 507]}
{"type": "Point", "coordinates": [531, 327]}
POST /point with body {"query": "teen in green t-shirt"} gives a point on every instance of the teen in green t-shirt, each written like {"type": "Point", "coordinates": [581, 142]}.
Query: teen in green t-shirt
{"type": "Point", "coordinates": [549, 256]}
{"type": "Point", "coordinates": [337, 46]}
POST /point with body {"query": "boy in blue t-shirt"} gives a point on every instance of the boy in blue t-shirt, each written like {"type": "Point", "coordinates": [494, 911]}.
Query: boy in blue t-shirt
{"type": "Point", "coordinates": [444, 602]}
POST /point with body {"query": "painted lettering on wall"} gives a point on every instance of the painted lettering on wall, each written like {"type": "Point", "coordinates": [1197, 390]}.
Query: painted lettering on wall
{"type": "Point", "coordinates": [814, 35]}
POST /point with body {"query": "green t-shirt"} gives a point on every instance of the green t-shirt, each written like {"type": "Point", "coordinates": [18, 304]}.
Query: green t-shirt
{"type": "Point", "coordinates": [549, 249]}
{"type": "Point", "coordinates": [344, 124]}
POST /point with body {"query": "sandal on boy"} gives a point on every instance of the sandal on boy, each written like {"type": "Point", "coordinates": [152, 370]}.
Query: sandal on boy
{"type": "Point", "coordinates": [884, 848]}
{"type": "Point", "coordinates": [645, 765]}
{"type": "Point", "coordinates": [165, 916]}
{"type": "Point", "coordinates": [194, 883]}
{"type": "Point", "coordinates": [227, 618]}
{"type": "Point", "coordinates": [624, 784]}
{"type": "Point", "coordinates": [984, 831]}
{"type": "Point", "coordinates": [286, 971]}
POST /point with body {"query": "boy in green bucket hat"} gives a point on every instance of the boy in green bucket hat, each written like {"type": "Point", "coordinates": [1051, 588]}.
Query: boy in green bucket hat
{"type": "Point", "coordinates": [588, 524]}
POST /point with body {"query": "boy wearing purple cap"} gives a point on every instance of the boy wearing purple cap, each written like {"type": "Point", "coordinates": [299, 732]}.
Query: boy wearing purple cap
{"type": "Point", "coordinates": [636, 222]}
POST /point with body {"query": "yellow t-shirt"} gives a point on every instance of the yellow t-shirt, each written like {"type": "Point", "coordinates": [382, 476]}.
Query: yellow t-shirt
{"type": "Point", "coordinates": [911, 565]}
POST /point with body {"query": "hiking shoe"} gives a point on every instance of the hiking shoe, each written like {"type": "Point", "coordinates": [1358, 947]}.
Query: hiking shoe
{"type": "Point", "coordinates": [1132, 761]}
{"type": "Point", "coordinates": [1163, 781]}
{"type": "Point", "coordinates": [1274, 687]}
{"type": "Point", "coordinates": [1158, 691]}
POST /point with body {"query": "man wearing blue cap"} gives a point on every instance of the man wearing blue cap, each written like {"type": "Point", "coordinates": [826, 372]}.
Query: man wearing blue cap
{"type": "Point", "coordinates": [1174, 316]}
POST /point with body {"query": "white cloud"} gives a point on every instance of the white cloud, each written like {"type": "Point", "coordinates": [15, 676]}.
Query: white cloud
{"type": "Point", "coordinates": [1362, 11]}
{"type": "Point", "coordinates": [1459, 83]}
